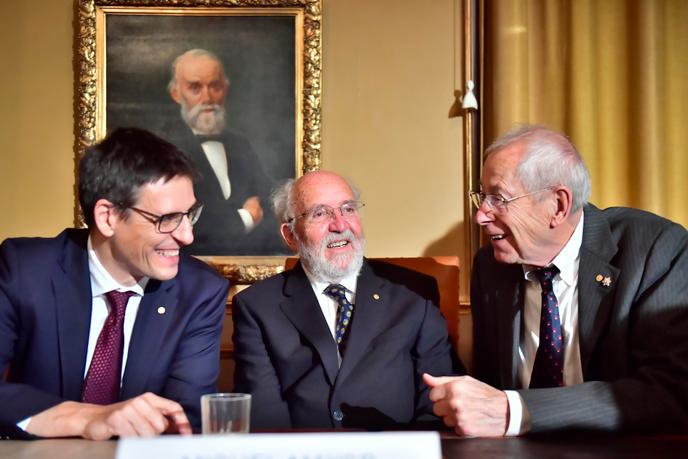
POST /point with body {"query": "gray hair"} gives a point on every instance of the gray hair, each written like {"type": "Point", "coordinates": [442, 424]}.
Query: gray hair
{"type": "Point", "coordinates": [283, 204]}
{"type": "Point", "coordinates": [197, 52]}
{"type": "Point", "coordinates": [549, 159]}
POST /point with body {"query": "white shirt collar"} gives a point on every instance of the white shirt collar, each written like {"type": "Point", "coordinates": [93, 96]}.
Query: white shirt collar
{"type": "Point", "coordinates": [101, 280]}
{"type": "Point", "coordinates": [567, 259]}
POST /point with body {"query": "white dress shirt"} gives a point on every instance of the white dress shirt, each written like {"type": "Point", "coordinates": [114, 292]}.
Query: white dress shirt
{"type": "Point", "coordinates": [328, 305]}
{"type": "Point", "coordinates": [101, 283]}
{"type": "Point", "coordinates": [565, 285]}
{"type": "Point", "coordinates": [217, 157]}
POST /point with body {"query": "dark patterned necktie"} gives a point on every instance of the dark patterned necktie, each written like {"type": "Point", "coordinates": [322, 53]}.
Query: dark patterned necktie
{"type": "Point", "coordinates": [345, 312]}
{"type": "Point", "coordinates": [102, 382]}
{"type": "Point", "coordinates": [548, 369]}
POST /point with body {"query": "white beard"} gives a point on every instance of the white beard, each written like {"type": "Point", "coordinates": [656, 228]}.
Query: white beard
{"type": "Point", "coordinates": [202, 121]}
{"type": "Point", "coordinates": [332, 271]}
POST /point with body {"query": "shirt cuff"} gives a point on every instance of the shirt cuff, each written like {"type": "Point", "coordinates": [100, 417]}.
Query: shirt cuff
{"type": "Point", "coordinates": [519, 418]}
{"type": "Point", "coordinates": [24, 423]}
{"type": "Point", "coordinates": [247, 219]}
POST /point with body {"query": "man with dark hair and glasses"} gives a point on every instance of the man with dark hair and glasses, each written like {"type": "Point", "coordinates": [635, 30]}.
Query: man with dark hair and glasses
{"type": "Point", "coordinates": [580, 315]}
{"type": "Point", "coordinates": [338, 341]}
{"type": "Point", "coordinates": [110, 331]}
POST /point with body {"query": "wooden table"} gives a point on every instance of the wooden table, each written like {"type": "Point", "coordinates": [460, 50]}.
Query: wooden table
{"type": "Point", "coordinates": [568, 446]}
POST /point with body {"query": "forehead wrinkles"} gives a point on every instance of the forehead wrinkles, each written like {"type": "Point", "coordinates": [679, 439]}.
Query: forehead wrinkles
{"type": "Point", "coordinates": [319, 188]}
{"type": "Point", "coordinates": [500, 170]}
{"type": "Point", "coordinates": [194, 68]}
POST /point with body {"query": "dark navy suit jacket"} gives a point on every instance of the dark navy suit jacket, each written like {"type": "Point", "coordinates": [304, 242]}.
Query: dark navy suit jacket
{"type": "Point", "coordinates": [45, 313]}
{"type": "Point", "coordinates": [286, 356]}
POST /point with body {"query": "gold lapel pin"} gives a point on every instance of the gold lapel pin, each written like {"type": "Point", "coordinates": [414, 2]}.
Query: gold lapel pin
{"type": "Point", "coordinates": [376, 296]}
{"type": "Point", "coordinates": [604, 280]}
{"type": "Point", "coordinates": [161, 310]}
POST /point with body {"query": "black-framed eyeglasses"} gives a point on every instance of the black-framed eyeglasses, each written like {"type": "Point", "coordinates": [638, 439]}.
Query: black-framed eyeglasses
{"type": "Point", "coordinates": [497, 201]}
{"type": "Point", "coordinates": [324, 213]}
{"type": "Point", "coordinates": [168, 223]}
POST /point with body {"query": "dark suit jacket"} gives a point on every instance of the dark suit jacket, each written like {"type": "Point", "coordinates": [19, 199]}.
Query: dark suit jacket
{"type": "Point", "coordinates": [286, 356]}
{"type": "Point", "coordinates": [220, 231]}
{"type": "Point", "coordinates": [45, 314]}
{"type": "Point", "coordinates": [633, 333]}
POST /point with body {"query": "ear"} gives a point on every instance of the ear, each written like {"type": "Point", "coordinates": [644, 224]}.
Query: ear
{"type": "Point", "coordinates": [289, 237]}
{"type": "Point", "coordinates": [563, 199]}
{"type": "Point", "coordinates": [174, 93]}
{"type": "Point", "coordinates": [106, 216]}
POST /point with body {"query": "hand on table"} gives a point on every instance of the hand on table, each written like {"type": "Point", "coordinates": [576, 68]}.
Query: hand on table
{"type": "Point", "coordinates": [144, 416]}
{"type": "Point", "coordinates": [469, 406]}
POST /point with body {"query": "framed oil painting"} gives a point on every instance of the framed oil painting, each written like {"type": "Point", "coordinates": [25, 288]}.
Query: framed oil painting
{"type": "Point", "coordinates": [235, 84]}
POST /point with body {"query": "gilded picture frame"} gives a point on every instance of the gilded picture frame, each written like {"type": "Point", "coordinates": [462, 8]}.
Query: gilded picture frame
{"type": "Point", "coordinates": [271, 53]}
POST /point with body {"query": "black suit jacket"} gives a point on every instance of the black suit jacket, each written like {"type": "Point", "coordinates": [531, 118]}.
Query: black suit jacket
{"type": "Point", "coordinates": [633, 333]}
{"type": "Point", "coordinates": [286, 356]}
{"type": "Point", "coordinates": [45, 315]}
{"type": "Point", "coordinates": [220, 231]}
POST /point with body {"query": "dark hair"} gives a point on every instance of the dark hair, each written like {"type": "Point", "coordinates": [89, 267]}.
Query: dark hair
{"type": "Point", "coordinates": [128, 158]}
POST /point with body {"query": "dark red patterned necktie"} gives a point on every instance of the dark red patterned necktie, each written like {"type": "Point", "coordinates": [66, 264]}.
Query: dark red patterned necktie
{"type": "Point", "coordinates": [548, 369]}
{"type": "Point", "coordinates": [102, 382]}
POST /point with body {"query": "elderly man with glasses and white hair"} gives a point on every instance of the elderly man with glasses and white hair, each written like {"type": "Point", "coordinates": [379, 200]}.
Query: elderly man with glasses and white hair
{"type": "Point", "coordinates": [580, 315]}
{"type": "Point", "coordinates": [338, 341]}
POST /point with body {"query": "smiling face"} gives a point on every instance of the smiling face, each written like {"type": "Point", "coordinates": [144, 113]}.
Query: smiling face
{"type": "Point", "coordinates": [522, 232]}
{"type": "Point", "coordinates": [331, 249]}
{"type": "Point", "coordinates": [131, 247]}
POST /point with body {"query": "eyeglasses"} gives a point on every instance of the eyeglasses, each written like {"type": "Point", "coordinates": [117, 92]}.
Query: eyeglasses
{"type": "Point", "coordinates": [168, 223]}
{"type": "Point", "coordinates": [323, 213]}
{"type": "Point", "coordinates": [497, 201]}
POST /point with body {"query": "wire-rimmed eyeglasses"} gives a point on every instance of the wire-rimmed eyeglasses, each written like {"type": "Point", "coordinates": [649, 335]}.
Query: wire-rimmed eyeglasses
{"type": "Point", "coordinates": [324, 213]}
{"type": "Point", "coordinates": [168, 223]}
{"type": "Point", "coordinates": [497, 201]}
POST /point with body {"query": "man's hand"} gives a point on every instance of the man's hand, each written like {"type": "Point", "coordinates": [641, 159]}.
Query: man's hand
{"type": "Point", "coordinates": [252, 205]}
{"type": "Point", "coordinates": [468, 405]}
{"type": "Point", "coordinates": [144, 416]}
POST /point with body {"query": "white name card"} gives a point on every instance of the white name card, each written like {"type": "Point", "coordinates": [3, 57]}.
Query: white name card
{"type": "Point", "coordinates": [338, 445]}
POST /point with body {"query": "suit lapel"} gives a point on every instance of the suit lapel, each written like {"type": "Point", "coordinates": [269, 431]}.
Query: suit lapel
{"type": "Point", "coordinates": [210, 181]}
{"type": "Point", "coordinates": [594, 298]}
{"type": "Point", "coordinates": [190, 144]}
{"type": "Point", "coordinates": [371, 305]}
{"type": "Point", "coordinates": [147, 336]}
{"type": "Point", "coordinates": [509, 298]}
{"type": "Point", "coordinates": [72, 290]}
{"type": "Point", "coordinates": [303, 311]}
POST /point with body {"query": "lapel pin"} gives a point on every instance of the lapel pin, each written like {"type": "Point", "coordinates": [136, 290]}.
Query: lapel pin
{"type": "Point", "coordinates": [376, 296]}
{"type": "Point", "coordinates": [607, 281]}
{"type": "Point", "coordinates": [161, 310]}
{"type": "Point", "coordinates": [599, 278]}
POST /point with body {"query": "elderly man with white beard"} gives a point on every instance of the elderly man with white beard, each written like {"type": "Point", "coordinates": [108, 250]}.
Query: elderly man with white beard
{"type": "Point", "coordinates": [234, 182]}
{"type": "Point", "coordinates": [339, 341]}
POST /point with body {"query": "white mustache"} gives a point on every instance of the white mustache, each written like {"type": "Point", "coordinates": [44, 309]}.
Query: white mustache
{"type": "Point", "coordinates": [195, 111]}
{"type": "Point", "coordinates": [332, 237]}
